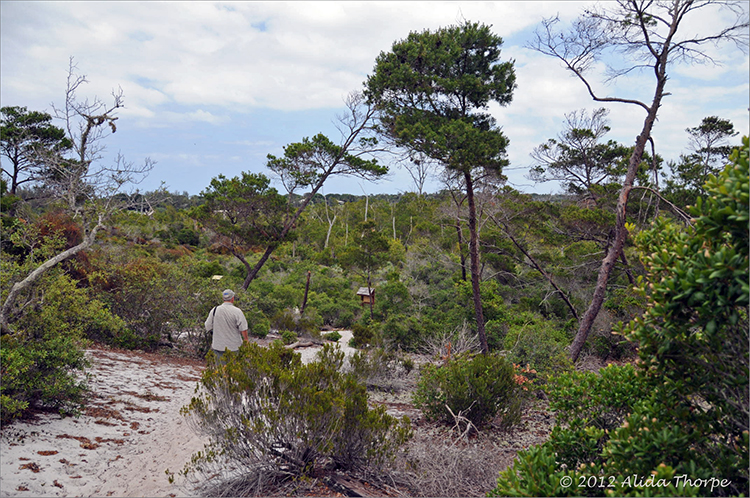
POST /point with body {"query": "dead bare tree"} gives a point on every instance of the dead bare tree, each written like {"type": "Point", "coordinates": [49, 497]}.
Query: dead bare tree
{"type": "Point", "coordinates": [86, 187]}
{"type": "Point", "coordinates": [646, 35]}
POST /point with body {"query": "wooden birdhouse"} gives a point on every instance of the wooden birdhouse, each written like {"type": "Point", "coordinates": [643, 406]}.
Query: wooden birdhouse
{"type": "Point", "coordinates": [367, 295]}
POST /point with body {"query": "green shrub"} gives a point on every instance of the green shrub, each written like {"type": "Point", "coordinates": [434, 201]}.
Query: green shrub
{"type": "Point", "coordinates": [64, 304]}
{"type": "Point", "coordinates": [591, 405]}
{"type": "Point", "coordinates": [540, 343]}
{"type": "Point", "coordinates": [402, 332]}
{"type": "Point", "coordinates": [43, 358]}
{"type": "Point", "coordinates": [393, 298]}
{"type": "Point", "coordinates": [336, 310]}
{"type": "Point", "coordinates": [207, 269]}
{"type": "Point", "coordinates": [683, 411]}
{"type": "Point", "coordinates": [39, 371]}
{"type": "Point", "coordinates": [362, 334]}
{"type": "Point", "coordinates": [495, 331]}
{"type": "Point", "coordinates": [478, 387]}
{"type": "Point", "coordinates": [274, 418]}
{"type": "Point", "coordinates": [288, 337]}
{"type": "Point", "coordinates": [332, 336]}
{"type": "Point", "coordinates": [258, 324]}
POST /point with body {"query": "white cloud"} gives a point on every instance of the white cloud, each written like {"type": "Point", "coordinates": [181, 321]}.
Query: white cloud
{"type": "Point", "coordinates": [199, 67]}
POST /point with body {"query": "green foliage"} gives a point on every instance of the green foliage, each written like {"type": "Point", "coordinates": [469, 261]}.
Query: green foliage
{"type": "Point", "coordinates": [25, 138]}
{"type": "Point", "coordinates": [288, 337]}
{"type": "Point", "coordinates": [258, 324]}
{"type": "Point", "coordinates": [332, 336]}
{"type": "Point", "coordinates": [590, 406]}
{"type": "Point", "coordinates": [540, 343]}
{"type": "Point", "coordinates": [430, 102]}
{"type": "Point", "coordinates": [368, 254]}
{"type": "Point", "coordinates": [43, 359]}
{"type": "Point", "coordinates": [392, 298]}
{"type": "Point", "coordinates": [684, 410]}
{"type": "Point", "coordinates": [305, 163]}
{"type": "Point", "coordinates": [709, 145]}
{"type": "Point", "coordinates": [41, 373]}
{"type": "Point", "coordinates": [405, 332]}
{"type": "Point", "coordinates": [577, 158]}
{"type": "Point", "coordinates": [265, 399]}
{"type": "Point", "coordinates": [695, 332]}
{"type": "Point", "coordinates": [336, 309]}
{"type": "Point", "coordinates": [362, 334]}
{"type": "Point", "coordinates": [66, 305]}
{"type": "Point", "coordinates": [246, 209]}
{"type": "Point", "coordinates": [479, 387]}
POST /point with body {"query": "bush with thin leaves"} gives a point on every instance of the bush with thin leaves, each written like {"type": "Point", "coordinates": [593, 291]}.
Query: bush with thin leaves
{"type": "Point", "coordinates": [276, 419]}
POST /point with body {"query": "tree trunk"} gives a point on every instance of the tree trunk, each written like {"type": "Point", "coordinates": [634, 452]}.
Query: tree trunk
{"type": "Point", "coordinates": [5, 311]}
{"type": "Point", "coordinates": [616, 248]}
{"type": "Point", "coordinates": [242, 259]}
{"type": "Point", "coordinates": [372, 298]}
{"type": "Point", "coordinates": [460, 249]}
{"type": "Point", "coordinates": [254, 272]}
{"type": "Point", "coordinates": [307, 290]}
{"type": "Point", "coordinates": [474, 255]}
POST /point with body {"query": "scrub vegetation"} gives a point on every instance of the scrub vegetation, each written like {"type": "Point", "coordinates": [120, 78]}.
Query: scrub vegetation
{"type": "Point", "coordinates": [616, 306]}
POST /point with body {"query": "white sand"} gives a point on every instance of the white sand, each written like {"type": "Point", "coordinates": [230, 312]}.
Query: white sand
{"type": "Point", "coordinates": [130, 435]}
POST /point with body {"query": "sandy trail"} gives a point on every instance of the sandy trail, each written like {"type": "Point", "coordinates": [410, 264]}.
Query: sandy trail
{"type": "Point", "coordinates": [130, 434]}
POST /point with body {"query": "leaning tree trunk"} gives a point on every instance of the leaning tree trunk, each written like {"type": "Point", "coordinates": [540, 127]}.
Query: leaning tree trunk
{"type": "Point", "coordinates": [616, 248]}
{"type": "Point", "coordinates": [254, 272]}
{"type": "Point", "coordinates": [18, 287]}
{"type": "Point", "coordinates": [474, 256]}
{"type": "Point", "coordinates": [288, 225]}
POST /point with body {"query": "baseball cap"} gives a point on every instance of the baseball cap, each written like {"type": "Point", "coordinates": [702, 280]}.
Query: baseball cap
{"type": "Point", "coordinates": [227, 294]}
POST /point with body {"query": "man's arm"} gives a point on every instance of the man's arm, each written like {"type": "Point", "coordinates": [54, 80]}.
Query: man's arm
{"type": "Point", "coordinates": [244, 335]}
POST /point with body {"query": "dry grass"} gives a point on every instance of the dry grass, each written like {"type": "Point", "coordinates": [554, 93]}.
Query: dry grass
{"type": "Point", "coordinates": [452, 468]}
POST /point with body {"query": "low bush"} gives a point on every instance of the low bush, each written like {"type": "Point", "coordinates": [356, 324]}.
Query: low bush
{"type": "Point", "coordinates": [258, 324]}
{"type": "Point", "coordinates": [271, 418]}
{"type": "Point", "coordinates": [477, 387]}
{"type": "Point", "coordinates": [362, 334]}
{"type": "Point", "coordinates": [403, 332]}
{"type": "Point", "coordinates": [540, 343]}
{"type": "Point", "coordinates": [381, 368]}
{"type": "Point", "coordinates": [332, 336]}
{"type": "Point", "coordinates": [43, 359]}
{"type": "Point", "coordinates": [42, 372]}
{"type": "Point", "coordinates": [288, 337]}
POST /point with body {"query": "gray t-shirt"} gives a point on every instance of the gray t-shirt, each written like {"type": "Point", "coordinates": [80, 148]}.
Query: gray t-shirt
{"type": "Point", "coordinates": [227, 322]}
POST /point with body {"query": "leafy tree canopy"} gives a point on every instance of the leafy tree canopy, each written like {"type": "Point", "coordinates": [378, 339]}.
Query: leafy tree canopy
{"type": "Point", "coordinates": [433, 90]}
{"type": "Point", "coordinates": [26, 139]}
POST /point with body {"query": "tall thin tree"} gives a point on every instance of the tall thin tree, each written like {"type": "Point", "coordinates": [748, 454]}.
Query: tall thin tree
{"type": "Point", "coordinates": [433, 91]}
{"type": "Point", "coordinates": [639, 35]}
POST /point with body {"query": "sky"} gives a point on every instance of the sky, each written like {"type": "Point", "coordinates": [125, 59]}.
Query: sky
{"type": "Point", "coordinates": [214, 87]}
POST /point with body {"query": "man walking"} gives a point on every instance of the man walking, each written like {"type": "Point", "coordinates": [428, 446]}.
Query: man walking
{"type": "Point", "coordinates": [229, 325]}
